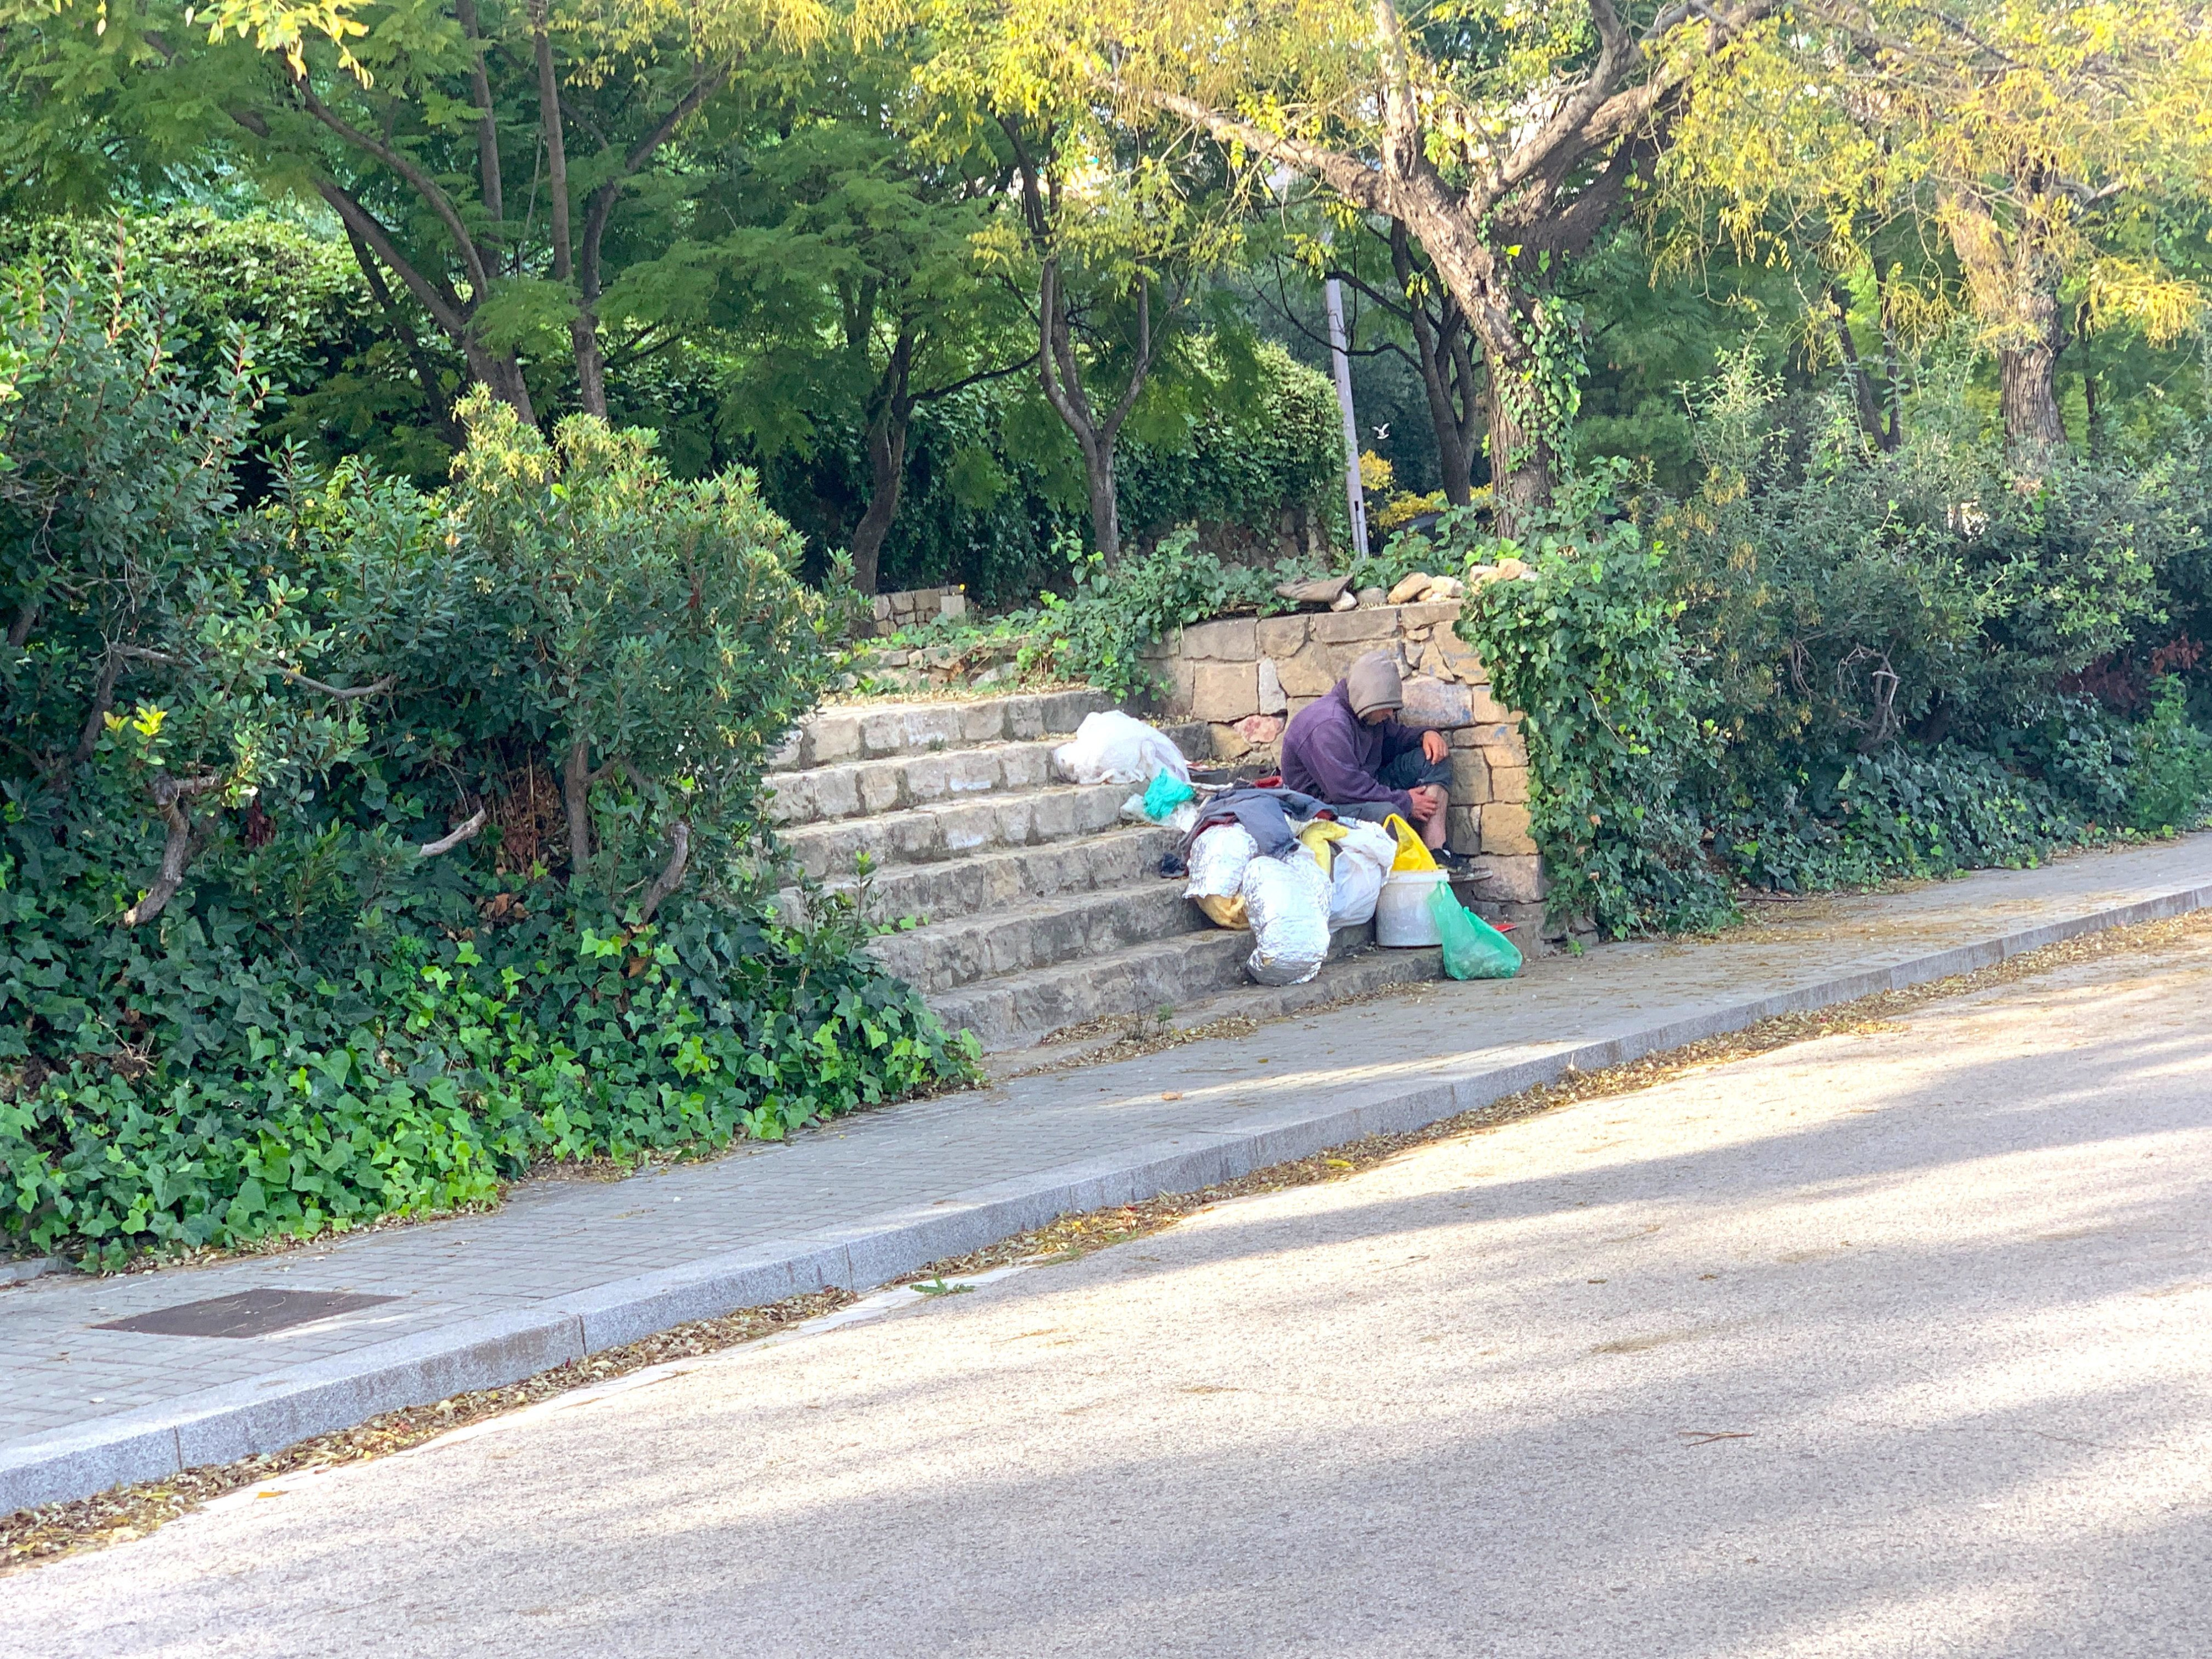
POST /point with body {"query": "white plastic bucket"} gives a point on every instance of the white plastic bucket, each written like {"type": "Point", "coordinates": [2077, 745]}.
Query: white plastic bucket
{"type": "Point", "coordinates": [1401, 915]}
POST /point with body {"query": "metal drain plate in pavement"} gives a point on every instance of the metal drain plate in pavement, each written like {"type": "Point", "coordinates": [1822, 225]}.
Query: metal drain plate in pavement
{"type": "Point", "coordinates": [247, 1313]}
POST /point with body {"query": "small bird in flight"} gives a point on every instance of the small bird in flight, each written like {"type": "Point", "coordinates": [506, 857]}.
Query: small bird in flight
{"type": "Point", "coordinates": [1382, 432]}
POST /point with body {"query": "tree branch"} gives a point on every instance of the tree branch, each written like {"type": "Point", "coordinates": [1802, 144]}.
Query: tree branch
{"type": "Point", "coordinates": [977, 379]}
{"type": "Point", "coordinates": [344, 694]}
{"type": "Point", "coordinates": [425, 186]}
{"type": "Point", "coordinates": [169, 793]}
{"type": "Point", "coordinates": [488, 166]}
{"type": "Point", "coordinates": [672, 875]}
{"type": "Point", "coordinates": [467, 830]}
{"type": "Point", "coordinates": [1346, 175]}
{"type": "Point", "coordinates": [444, 308]}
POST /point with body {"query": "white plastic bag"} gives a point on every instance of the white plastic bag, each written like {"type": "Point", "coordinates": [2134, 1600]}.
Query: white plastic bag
{"type": "Point", "coordinates": [1364, 854]}
{"type": "Point", "coordinates": [1287, 900]}
{"type": "Point", "coordinates": [1112, 747]}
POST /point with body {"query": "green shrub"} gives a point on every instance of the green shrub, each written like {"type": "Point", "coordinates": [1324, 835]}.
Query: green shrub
{"type": "Point", "coordinates": [1590, 646]}
{"type": "Point", "coordinates": [360, 852]}
{"type": "Point", "coordinates": [1111, 614]}
{"type": "Point", "coordinates": [2169, 780]}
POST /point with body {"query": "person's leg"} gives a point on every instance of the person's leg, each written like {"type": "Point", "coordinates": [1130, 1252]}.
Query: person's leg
{"type": "Point", "coordinates": [1414, 770]}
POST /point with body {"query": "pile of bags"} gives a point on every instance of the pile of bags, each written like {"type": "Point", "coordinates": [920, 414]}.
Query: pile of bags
{"type": "Point", "coordinates": [1329, 879]}
{"type": "Point", "coordinates": [1332, 878]}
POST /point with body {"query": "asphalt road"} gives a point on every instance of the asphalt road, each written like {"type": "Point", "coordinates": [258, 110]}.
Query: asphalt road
{"type": "Point", "coordinates": [1885, 1345]}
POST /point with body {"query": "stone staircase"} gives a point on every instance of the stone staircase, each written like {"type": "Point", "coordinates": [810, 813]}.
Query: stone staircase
{"type": "Point", "coordinates": [1037, 910]}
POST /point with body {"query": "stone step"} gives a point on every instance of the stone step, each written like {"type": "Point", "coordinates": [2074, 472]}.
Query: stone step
{"type": "Point", "coordinates": [852, 789]}
{"type": "Point", "coordinates": [947, 829]}
{"type": "Point", "coordinates": [1044, 932]}
{"type": "Point", "coordinates": [1025, 1009]}
{"type": "Point", "coordinates": [873, 730]}
{"type": "Point", "coordinates": [1007, 876]}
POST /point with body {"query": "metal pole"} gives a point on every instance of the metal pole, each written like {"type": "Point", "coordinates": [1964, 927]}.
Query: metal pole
{"type": "Point", "coordinates": [1355, 497]}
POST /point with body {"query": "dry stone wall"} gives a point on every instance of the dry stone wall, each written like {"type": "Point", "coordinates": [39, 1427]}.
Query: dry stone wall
{"type": "Point", "coordinates": [893, 611]}
{"type": "Point", "coordinates": [1245, 677]}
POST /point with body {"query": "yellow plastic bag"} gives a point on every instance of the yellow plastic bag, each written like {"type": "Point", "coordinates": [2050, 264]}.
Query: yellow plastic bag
{"type": "Point", "coordinates": [1412, 852]}
{"type": "Point", "coordinates": [1315, 838]}
{"type": "Point", "coordinates": [1223, 909]}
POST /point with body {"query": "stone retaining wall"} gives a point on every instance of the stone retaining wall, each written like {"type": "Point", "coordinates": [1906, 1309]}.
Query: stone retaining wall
{"type": "Point", "coordinates": [920, 604]}
{"type": "Point", "coordinates": [1246, 676]}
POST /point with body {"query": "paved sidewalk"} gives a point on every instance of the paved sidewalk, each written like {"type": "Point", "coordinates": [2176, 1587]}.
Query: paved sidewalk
{"type": "Point", "coordinates": [570, 1266]}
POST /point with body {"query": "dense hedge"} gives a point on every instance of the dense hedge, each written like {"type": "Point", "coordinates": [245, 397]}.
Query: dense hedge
{"type": "Point", "coordinates": [1831, 664]}
{"type": "Point", "coordinates": [361, 850]}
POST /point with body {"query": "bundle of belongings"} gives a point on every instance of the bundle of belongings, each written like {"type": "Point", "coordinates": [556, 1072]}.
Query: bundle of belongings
{"type": "Point", "coordinates": [1295, 858]}
{"type": "Point", "coordinates": [1286, 865]}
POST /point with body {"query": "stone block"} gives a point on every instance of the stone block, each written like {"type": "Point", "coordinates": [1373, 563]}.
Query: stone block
{"type": "Point", "coordinates": [1505, 830]}
{"type": "Point", "coordinates": [853, 790]}
{"type": "Point", "coordinates": [1466, 666]}
{"type": "Point", "coordinates": [833, 738]}
{"type": "Point", "coordinates": [1272, 699]}
{"type": "Point", "coordinates": [1231, 639]}
{"type": "Point", "coordinates": [1280, 636]}
{"type": "Point", "coordinates": [1372, 599]}
{"type": "Point", "coordinates": [1510, 783]}
{"type": "Point", "coordinates": [1463, 828]}
{"type": "Point", "coordinates": [1228, 742]}
{"type": "Point", "coordinates": [1308, 673]}
{"type": "Point", "coordinates": [952, 604]}
{"type": "Point", "coordinates": [1488, 711]}
{"type": "Point", "coordinates": [1336, 627]}
{"type": "Point", "coordinates": [1224, 691]}
{"type": "Point", "coordinates": [1428, 614]}
{"type": "Point", "coordinates": [1432, 660]}
{"type": "Point", "coordinates": [1438, 704]}
{"type": "Point", "coordinates": [1182, 680]}
{"type": "Point", "coordinates": [836, 793]}
{"type": "Point", "coordinates": [1410, 588]}
{"type": "Point", "coordinates": [1471, 784]}
{"type": "Point", "coordinates": [1262, 731]}
{"type": "Point", "coordinates": [1506, 880]}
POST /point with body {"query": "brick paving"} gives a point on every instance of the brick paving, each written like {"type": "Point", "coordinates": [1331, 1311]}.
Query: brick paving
{"type": "Point", "coordinates": [557, 1238]}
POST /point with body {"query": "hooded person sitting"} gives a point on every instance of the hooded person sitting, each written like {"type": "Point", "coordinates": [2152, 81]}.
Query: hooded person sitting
{"type": "Point", "coordinates": [1348, 749]}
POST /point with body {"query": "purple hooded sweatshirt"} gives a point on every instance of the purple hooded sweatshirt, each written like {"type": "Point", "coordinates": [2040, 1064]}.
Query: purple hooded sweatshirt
{"type": "Point", "coordinates": [1328, 754]}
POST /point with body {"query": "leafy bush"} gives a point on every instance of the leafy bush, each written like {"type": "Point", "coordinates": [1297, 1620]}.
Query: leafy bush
{"type": "Point", "coordinates": [2169, 779]}
{"type": "Point", "coordinates": [1834, 666]}
{"type": "Point", "coordinates": [1112, 615]}
{"type": "Point", "coordinates": [1589, 646]}
{"type": "Point", "coordinates": [361, 851]}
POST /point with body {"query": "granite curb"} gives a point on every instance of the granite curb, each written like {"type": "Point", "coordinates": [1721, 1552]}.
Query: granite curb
{"type": "Point", "coordinates": [267, 1413]}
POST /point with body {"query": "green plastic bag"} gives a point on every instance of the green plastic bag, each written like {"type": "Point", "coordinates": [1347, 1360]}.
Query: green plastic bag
{"type": "Point", "coordinates": [1472, 948]}
{"type": "Point", "coordinates": [1166, 793]}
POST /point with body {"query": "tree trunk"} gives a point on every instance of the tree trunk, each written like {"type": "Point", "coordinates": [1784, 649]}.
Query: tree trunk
{"type": "Point", "coordinates": [1434, 342]}
{"type": "Point", "coordinates": [2013, 278]}
{"type": "Point", "coordinates": [576, 780]}
{"type": "Point", "coordinates": [1864, 399]}
{"type": "Point", "coordinates": [1522, 464]}
{"type": "Point", "coordinates": [887, 433]}
{"type": "Point", "coordinates": [1063, 389]}
{"type": "Point", "coordinates": [1105, 509]}
{"type": "Point", "coordinates": [591, 363]}
{"type": "Point", "coordinates": [2027, 382]}
{"type": "Point", "coordinates": [503, 374]}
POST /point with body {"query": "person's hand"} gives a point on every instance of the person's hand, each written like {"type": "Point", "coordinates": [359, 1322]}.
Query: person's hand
{"type": "Point", "coordinates": [1428, 801]}
{"type": "Point", "coordinates": [1433, 747]}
